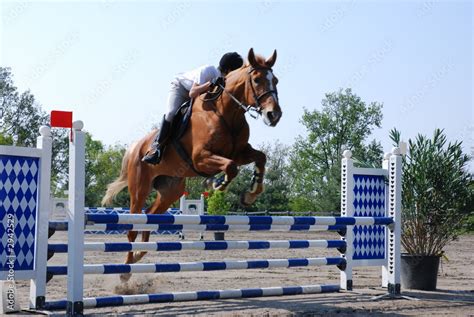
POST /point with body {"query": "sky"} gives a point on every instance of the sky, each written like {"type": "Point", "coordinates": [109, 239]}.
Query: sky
{"type": "Point", "coordinates": [111, 62]}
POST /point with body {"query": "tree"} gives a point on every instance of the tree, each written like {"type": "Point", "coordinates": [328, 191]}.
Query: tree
{"type": "Point", "coordinates": [103, 165]}
{"type": "Point", "coordinates": [276, 196]}
{"type": "Point", "coordinates": [195, 187]}
{"type": "Point", "coordinates": [95, 171]}
{"type": "Point", "coordinates": [20, 119]}
{"type": "Point", "coordinates": [21, 116]}
{"type": "Point", "coordinates": [6, 139]}
{"type": "Point", "coordinates": [344, 122]}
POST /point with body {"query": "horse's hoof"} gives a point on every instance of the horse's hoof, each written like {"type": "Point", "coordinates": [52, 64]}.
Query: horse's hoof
{"type": "Point", "coordinates": [137, 256]}
{"type": "Point", "coordinates": [207, 183]}
{"type": "Point", "coordinates": [257, 189]}
{"type": "Point", "coordinates": [247, 199]}
{"type": "Point", "coordinates": [221, 187]}
{"type": "Point", "coordinates": [125, 277]}
{"type": "Point", "coordinates": [220, 183]}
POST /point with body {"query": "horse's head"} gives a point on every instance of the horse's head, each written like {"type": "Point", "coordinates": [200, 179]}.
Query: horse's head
{"type": "Point", "coordinates": [261, 87]}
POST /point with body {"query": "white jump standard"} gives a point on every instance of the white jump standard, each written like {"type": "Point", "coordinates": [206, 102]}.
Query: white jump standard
{"type": "Point", "coordinates": [369, 227]}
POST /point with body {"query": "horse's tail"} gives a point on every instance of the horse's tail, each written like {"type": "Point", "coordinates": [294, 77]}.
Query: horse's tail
{"type": "Point", "coordinates": [120, 183]}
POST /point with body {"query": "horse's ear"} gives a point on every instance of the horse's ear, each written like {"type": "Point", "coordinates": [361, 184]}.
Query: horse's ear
{"type": "Point", "coordinates": [271, 60]}
{"type": "Point", "coordinates": [252, 59]}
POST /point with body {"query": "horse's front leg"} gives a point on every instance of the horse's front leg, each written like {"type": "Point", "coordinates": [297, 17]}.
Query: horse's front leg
{"type": "Point", "coordinates": [247, 156]}
{"type": "Point", "coordinates": [209, 163]}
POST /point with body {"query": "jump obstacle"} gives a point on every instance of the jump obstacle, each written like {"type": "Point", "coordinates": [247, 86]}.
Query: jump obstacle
{"type": "Point", "coordinates": [186, 207]}
{"type": "Point", "coordinates": [369, 227]}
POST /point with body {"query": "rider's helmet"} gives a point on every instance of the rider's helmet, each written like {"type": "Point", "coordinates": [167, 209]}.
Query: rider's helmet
{"type": "Point", "coordinates": [230, 61]}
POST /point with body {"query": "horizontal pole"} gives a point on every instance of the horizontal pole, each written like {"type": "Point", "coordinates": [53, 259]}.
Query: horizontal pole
{"type": "Point", "coordinates": [109, 301]}
{"type": "Point", "coordinates": [58, 225]}
{"type": "Point", "coordinates": [198, 266]}
{"type": "Point", "coordinates": [62, 226]}
{"type": "Point", "coordinates": [202, 245]}
{"type": "Point", "coordinates": [234, 220]}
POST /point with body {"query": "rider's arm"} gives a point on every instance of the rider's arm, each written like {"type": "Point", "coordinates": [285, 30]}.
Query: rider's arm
{"type": "Point", "coordinates": [203, 79]}
{"type": "Point", "coordinates": [196, 89]}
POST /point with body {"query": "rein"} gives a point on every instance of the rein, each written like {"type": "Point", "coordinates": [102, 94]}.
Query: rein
{"type": "Point", "coordinates": [248, 108]}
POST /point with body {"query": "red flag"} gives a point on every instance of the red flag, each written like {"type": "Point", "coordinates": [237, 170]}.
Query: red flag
{"type": "Point", "coordinates": [61, 119]}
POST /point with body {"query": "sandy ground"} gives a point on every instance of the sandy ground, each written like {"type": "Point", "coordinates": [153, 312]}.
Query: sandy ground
{"type": "Point", "coordinates": [454, 297]}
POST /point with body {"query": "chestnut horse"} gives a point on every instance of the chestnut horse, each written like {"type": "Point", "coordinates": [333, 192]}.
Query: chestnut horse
{"type": "Point", "coordinates": [216, 139]}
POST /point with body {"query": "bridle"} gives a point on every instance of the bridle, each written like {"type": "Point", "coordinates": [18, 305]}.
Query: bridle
{"type": "Point", "coordinates": [257, 108]}
{"type": "Point", "coordinates": [255, 97]}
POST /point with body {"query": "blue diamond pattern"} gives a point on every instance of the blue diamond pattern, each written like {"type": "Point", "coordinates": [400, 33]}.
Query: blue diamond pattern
{"type": "Point", "coordinates": [369, 201]}
{"type": "Point", "coordinates": [18, 202]}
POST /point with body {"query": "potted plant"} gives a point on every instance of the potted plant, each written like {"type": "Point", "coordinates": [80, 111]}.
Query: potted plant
{"type": "Point", "coordinates": [437, 201]}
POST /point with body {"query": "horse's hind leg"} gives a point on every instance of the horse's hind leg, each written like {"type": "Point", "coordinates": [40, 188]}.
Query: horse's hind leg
{"type": "Point", "coordinates": [138, 195]}
{"type": "Point", "coordinates": [136, 206]}
{"type": "Point", "coordinates": [169, 189]}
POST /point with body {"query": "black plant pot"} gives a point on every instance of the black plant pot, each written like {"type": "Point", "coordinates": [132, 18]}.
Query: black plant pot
{"type": "Point", "coordinates": [419, 271]}
{"type": "Point", "coordinates": [219, 236]}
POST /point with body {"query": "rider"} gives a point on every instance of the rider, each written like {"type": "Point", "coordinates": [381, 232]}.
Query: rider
{"type": "Point", "coordinates": [184, 87]}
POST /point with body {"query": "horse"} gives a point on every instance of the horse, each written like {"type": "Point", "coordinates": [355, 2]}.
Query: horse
{"type": "Point", "coordinates": [216, 141]}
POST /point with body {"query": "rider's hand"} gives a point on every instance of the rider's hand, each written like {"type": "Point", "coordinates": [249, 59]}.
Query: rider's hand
{"type": "Point", "coordinates": [218, 81]}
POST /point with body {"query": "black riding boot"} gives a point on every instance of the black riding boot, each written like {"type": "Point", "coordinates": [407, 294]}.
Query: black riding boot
{"type": "Point", "coordinates": [153, 156]}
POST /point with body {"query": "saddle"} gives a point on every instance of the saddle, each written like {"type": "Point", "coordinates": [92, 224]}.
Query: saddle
{"type": "Point", "coordinates": [181, 120]}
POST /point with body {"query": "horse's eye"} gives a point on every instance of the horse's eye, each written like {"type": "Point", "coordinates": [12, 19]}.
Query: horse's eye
{"type": "Point", "coordinates": [256, 81]}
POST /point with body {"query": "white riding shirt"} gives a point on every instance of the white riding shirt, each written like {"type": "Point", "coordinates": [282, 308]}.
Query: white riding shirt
{"type": "Point", "coordinates": [199, 76]}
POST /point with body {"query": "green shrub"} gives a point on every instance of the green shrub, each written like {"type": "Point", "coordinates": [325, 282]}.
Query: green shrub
{"type": "Point", "coordinates": [217, 203]}
{"type": "Point", "coordinates": [436, 193]}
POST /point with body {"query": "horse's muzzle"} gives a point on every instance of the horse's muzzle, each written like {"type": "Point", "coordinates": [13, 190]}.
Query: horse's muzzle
{"type": "Point", "coordinates": [271, 118]}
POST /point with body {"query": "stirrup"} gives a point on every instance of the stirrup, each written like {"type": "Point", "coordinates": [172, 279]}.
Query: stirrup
{"type": "Point", "coordinates": [152, 157]}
